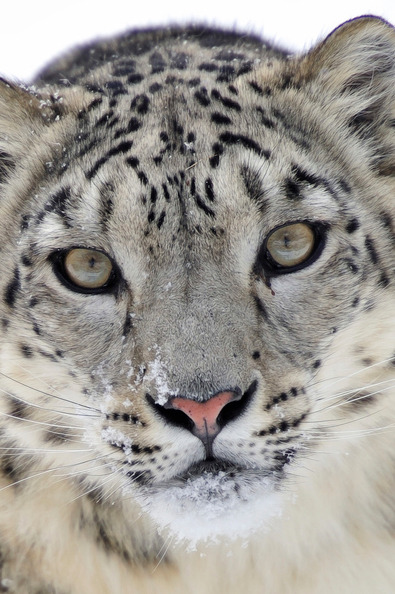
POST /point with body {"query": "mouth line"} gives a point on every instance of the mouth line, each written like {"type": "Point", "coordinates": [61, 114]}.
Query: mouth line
{"type": "Point", "coordinates": [210, 467]}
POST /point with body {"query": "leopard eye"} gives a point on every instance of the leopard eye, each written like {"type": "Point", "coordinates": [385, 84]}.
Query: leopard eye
{"type": "Point", "coordinates": [291, 247]}
{"type": "Point", "coordinates": [85, 270]}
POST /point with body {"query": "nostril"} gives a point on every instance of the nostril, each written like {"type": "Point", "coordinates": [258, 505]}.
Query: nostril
{"type": "Point", "coordinates": [234, 409]}
{"type": "Point", "coordinates": [172, 416]}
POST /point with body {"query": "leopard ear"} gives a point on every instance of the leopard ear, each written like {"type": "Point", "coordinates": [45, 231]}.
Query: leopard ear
{"type": "Point", "coordinates": [22, 120]}
{"type": "Point", "coordinates": [355, 66]}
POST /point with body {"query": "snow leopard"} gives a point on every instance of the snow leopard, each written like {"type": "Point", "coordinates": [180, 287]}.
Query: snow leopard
{"type": "Point", "coordinates": [197, 364]}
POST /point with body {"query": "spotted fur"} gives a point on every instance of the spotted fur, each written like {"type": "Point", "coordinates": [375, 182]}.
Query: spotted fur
{"type": "Point", "coordinates": [177, 153]}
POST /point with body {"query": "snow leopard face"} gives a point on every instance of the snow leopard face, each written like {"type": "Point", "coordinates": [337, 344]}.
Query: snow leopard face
{"type": "Point", "coordinates": [197, 267]}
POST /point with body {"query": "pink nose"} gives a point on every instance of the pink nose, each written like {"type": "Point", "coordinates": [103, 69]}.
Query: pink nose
{"type": "Point", "coordinates": [204, 415]}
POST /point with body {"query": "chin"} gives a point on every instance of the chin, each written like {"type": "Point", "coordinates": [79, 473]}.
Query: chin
{"type": "Point", "coordinates": [212, 502]}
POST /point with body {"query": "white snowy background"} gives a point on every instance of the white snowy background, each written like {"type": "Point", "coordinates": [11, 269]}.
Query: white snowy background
{"type": "Point", "coordinates": [34, 31]}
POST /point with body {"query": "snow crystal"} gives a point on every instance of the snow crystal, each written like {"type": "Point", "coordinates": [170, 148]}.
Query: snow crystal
{"type": "Point", "coordinates": [116, 437]}
{"type": "Point", "coordinates": [158, 374]}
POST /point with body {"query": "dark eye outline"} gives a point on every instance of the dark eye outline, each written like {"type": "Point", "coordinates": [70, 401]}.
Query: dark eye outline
{"type": "Point", "coordinates": [57, 260]}
{"type": "Point", "coordinates": [272, 268]}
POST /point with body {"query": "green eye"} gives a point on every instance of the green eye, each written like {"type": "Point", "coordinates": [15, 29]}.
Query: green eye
{"type": "Point", "coordinates": [291, 245]}
{"type": "Point", "coordinates": [85, 270]}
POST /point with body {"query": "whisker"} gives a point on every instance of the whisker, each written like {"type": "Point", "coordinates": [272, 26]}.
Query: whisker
{"type": "Point", "coordinates": [67, 400]}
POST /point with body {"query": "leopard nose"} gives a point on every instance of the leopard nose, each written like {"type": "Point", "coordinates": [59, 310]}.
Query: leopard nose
{"type": "Point", "coordinates": [204, 419]}
{"type": "Point", "coordinates": [205, 416]}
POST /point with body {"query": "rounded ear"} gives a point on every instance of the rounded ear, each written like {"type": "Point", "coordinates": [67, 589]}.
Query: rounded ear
{"type": "Point", "coordinates": [354, 69]}
{"type": "Point", "coordinates": [353, 55]}
{"type": "Point", "coordinates": [22, 118]}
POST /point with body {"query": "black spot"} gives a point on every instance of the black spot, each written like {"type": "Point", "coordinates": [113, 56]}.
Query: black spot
{"type": "Point", "coordinates": [26, 351]}
{"type": "Point", "coordinates": [161, 219]}
{"type": "Point", "coordinates": [226, 74]}
{"type": "Point", "coordinates": [59, 201]}
{"type": "Point", "coordinates": [121, 148]}
{"type": "Point", "coordinates": [12, 289]}
{"type": "Point", "coordinates": [124, 67]}
{"type": "Point", "coordinates": [134, 79]}
{"type": "Point", "coordinates": [265, 120]}
{"type": "Point", "coordinates": [164, 136]}
{"type": "Point", "coordinates": [104, 118]}
{"type": "Point", "coordinates": [209, 189]}
{"type": "Point", "coordinates": [256, 355]}
{"type": "Point", "coordinates": [107, 205]}
{"type": "Point", "coordinates": [25, 219]}
{"type": "Point", "coordinates": [208, 66]}
{"type": "Point", "coordinates": [99, 163]}
{"type": "Point", "coordinates": [261, 308]}
{"type": "Point", "coordinates": [386, 220]}
{"type": "Point", "coordinates": [166, 192]}
{"type": "Point", "coordinates": [316, 364]}
{"type": "Point", "coordinates": [115, 87]}
{"type": "Point", "coordinates": [140, 104]}
{"type": "Point", "coordinates": [218, 151]}
{"type": "Point", "coordinates": [127, 325]}
{"type": "Point", "coordinates": [11, 466]}
{"type": "Point", "coordinates": [26, 261]}
{"type": "Point", "coordinates": [133, 162]}
{"type": "Point", "coordinates": [245, 68]}
{"type": "Point", "coordinates": [202, 97]}
{"type": "Point", "coordinates": [302, 176]}
{"type": "Point", "coordinates": [180, 61]}
{"type": "Point", "coordinates": [226, 101]}
{"type": "Point", "coordinates": [369, 244]}
{"type": "Point", "coordinates": [18, 409]}
{"type": "Point", "coordinates": [154, 195]}
{"type": "Point", "coordinates": [220, 119]}
{"type": "Point", "coordinates": [355, 302]}
{"type": "Point", "coordinates": [143, 177]}
{"type": "Point", "coordinates": [344, 186]}
{"type": "Point", "coordinates": [352, 225]}
{"type": "Point", "coordinates": [214, 161]}
{"type": "Point", "coordinates": [157, 63]}
{"type": "Point", "coordinates": [154, 88]}
{"type": "Point", "coordinates": [7, 164]}
{"type": "Point", "coordinates": [234, 139]}
{"type": "Point", "coordinates": [383, 280]}
{"type": "Point", "coordinates": [201, 204]}
{"type": "Point", "coordinates": [292, 189]}
{"type": "Point", "coordinates": [257, 88]}
{"type": "Point", "coordinates": [253, 185]}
